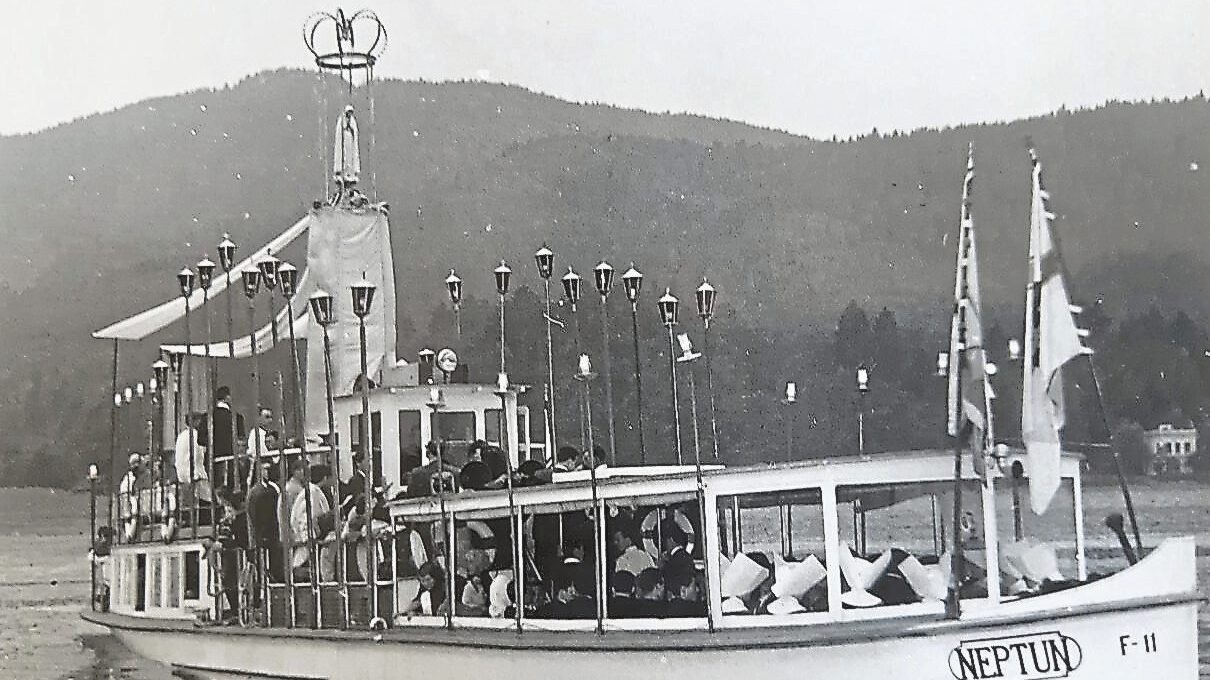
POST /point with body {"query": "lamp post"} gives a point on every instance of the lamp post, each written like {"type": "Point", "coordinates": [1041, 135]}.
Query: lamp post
{"type": "Point", "coordinates": [177, 361]}
{"type": "Point", "coordinates": [251, 279]}
{"type": "Point", "coordinates": [322, 311]}
{"type": "Point", "coordinates": [669, 307]}
{"type": "Point", "coordinates": [502, 391]}
{"type": "Point", "coordinates": [706, 296]}
{"type": "Point", "coordinates": [268, 275]}
{"type": "Point", "coordinates": [287, 281]}
{"type": "Point", "coordinates": [632, 282]}
{"type": "Point", "coordinates": [603, 277]}
{"type": "Point", "coordinates": [92, 535]}
{"type": "Point", "coordinates": [226, 258]}
{"type": "Point", "coordinates": [436, 402]}
{"type": "Point", "coordinates": [502, 274]}
{"type": "Point", "coordinates": [363, 300]}
{"type": "Point", "coordinates": [205, 276]}
{"type": "Point", "coordinates": [185, 278]}
{"type": "Point", "coordinates": [688, 356]}
{"type": "Point", "coordinates": [573, 290]}
{"type": "Point", "coordinates": [585, 375]}
{"type": "Point", "coordinates": [453, 285]}
{"type": "Point", "coordinates": [545, 260]}
{"type": "Point", "coordinates": [789, 401]}
{"type": "Point", "coordinates": [863, 388]}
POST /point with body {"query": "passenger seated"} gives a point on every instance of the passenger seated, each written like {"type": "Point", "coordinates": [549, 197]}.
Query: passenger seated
{"type": "Point", "coordinates": [471, 583]}
{"type": "Point", "coordinates": [631, 558]}
{"type": "Point", "coordinates": [430, 601]}
{"type": "Point", "coordinates": [567, 602]}
{"type": "Point", "coordinates": [529, 472]}
{"type": "Point", "coordinates": [475, 476]}
{"type": "Point", "coordinates": [686, 600]}
{"type": "Point", "coordinates": [621, 595]}
{"type": "Point", "coordinates": [649, 594]}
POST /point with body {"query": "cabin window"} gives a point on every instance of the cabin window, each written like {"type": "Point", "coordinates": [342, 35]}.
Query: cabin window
{"type": "Point", "coordinates": [561, 571]}
{"type": "Point", "coordinates": [155, 581]}
{"type": "Point", "coordinates": [172, 581]}
{"type": "Point", "coordinates": [375, 438]}
{"type": "Point", "coordinates": [1035, 548]}
{"type": "Point", "coordinates": [491, 426]}
{"type": "Point", "coordinates": [893, 543]}
{"type": "Point", "coordinates": [457, 430]}
{"type": "Point", "coordinates": [654, 551]}
{"type": "Point", "coordinates": [409, 442]}
{"type": "Point", "coordinates": [772, 553]}
{"type": "Point", "coordinates": [193, 575]}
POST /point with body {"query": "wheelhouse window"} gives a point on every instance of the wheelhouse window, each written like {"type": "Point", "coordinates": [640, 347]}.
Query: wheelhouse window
{"type": "Point", "coordinates": [1039, 552]}
{"type": "Point", "coordinates": [772, 553]}
{"type": "Point", "coordinates": [457, 430]}
{"type": "Point", "coordinates": [410, 444]}
{"type": "Point", "coordinates": [893, 543]}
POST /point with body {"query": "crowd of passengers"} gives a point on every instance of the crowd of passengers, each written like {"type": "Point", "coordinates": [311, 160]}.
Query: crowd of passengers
{"type": "Point", "coordinates": [557, 552]}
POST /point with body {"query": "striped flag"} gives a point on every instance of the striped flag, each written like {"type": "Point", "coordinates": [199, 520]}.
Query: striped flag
{"type": "Point", "coordinates": [1051, 340]}
{"type": "Point", "coordinates": [969, 395]}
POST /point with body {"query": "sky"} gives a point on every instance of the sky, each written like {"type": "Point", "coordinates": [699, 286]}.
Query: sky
{"type": "Point", "coordinates": [815, 67]}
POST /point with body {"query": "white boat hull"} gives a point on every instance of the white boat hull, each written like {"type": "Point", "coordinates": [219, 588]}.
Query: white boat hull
{"type": "Point", "coordinates": [1156, 640]}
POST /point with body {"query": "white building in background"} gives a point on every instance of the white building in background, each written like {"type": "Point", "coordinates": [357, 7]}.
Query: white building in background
{"type": "Point", "coordinates": [1172, 449]}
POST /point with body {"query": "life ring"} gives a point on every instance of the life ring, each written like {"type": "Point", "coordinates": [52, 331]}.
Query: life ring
{"type": "Point", "coordinates": [484, 539]}
{"type": "Point", "coordinates": [649, 529]}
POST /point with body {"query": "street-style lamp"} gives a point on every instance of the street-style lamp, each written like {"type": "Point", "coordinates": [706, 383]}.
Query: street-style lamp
{"type": "Point", "coordinates": [585, 375]}
{"type": "Point", "coordinates": [323, 312]}
{"type": "Point", "coordinates": [573, 290]}
{"type": "Point", "coordinates": [503, 274]}
{"type": "Point", "coordinates": [503, 391]}
{"type": "Point", "coordinates": [363, 300]}
{"type": "Point", "coordinates": [226, 259]}
{"type": "Point", "coordinates": [205, 276]}
{"type": "Point", "coordinates": [251, 278]}
{"type": "Point", "coordinates": [453, 285]}
{"type": "Point", "coordinates": [287, 282]}
{"type": "Point", "coordinates": [632, 283]}
{"type": "Point", "coordinates": [545, 261]}
{"type": "Point", "coordinates": [602, 275]}
{"type": "Point", "coordinates": [436, 402]}
{"type": "Point", "coordinates": [1014, 349]}
{"type": "Point", "coordinates": [863, 388]}
{"type": "Point", "coordinates": [669, 307]}
{"type": "Point", "coordinates": [268, 267]}
{"type": "Point", "coordinates": [706, 296]}
{"type": "Point", "coordinates": [185, 279]}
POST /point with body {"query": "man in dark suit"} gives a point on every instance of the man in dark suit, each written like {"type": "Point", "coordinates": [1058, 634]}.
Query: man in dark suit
{"type": "Point", "coordinates": [421, 480]}
{"type": "Point", "coordinates": [228, 429]}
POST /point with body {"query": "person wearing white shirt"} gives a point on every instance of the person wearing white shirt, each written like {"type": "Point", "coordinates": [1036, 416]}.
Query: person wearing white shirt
{"type": "Point", "coordinates": [631, 558]}
{"type": "Point", "coordinates": [258, 444]}
{"type": "Point", "coordinates": [190, 459]}
{"type": "Point", "coordinates": [304, 525]}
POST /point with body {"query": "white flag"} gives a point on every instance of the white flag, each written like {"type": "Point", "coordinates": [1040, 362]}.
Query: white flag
{"type": "Point", "coordinates": [1051, 340]}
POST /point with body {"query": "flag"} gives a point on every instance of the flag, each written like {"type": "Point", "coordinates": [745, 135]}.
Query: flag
{"type": "Point", "coordinates": [1051, 340]}
{"type": "Point", "coordinates": [969, 394]}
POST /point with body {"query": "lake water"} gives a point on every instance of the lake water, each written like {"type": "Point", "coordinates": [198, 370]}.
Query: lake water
{"type": "Point", "coordinates": [44, 577]}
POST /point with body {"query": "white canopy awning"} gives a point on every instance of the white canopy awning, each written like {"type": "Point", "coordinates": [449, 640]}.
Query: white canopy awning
{"type": "Point", "coordinates": [145, 323]}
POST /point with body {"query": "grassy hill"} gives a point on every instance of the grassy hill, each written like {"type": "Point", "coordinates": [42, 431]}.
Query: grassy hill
{"type": "Point", "coordinates": [99, 213]}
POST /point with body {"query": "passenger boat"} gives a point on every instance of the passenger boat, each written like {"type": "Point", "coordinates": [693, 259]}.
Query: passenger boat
{"type": "Point", "coordinates": [839, 566]}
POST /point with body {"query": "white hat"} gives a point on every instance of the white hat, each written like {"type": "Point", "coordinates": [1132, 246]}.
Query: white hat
{"type": "Point", "coordinates": [786, 605]}
{"type": "Point", "coordinates": [862, 574]}
{"type": "Point", "coordinates": [794, 579]}
{"type": "Point", "coordinates": [860, 599]}
{"type": "Point", "coordinates": [1040, 563]}
{"type": "Point", "coordinates": [742, 576]}
{"type": "Point", "coordinates": [929, 582]}
{"type": "Point", "coordinates": [734, 605]}
{"type": "Point", "coordinates": [497, 593]}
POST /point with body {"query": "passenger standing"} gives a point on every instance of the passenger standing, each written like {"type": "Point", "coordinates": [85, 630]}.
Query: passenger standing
{"type": "Point", "coordinates": [228, 430]}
